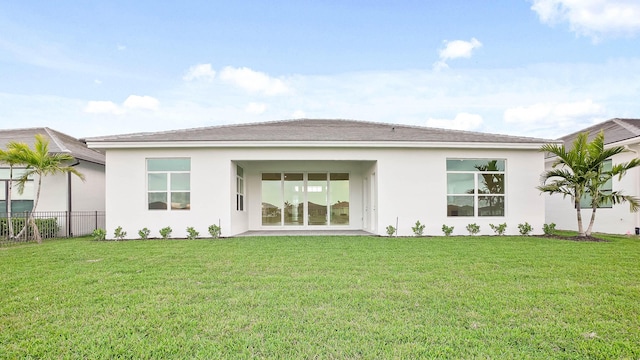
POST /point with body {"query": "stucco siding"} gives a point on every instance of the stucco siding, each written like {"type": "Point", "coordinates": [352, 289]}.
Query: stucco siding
{"type": "Point", "coordinates": [415, 189]}
{"type": "Point", "coordinates": [385, 184]}
{"type": "Point", "coordinates": [88, 195]}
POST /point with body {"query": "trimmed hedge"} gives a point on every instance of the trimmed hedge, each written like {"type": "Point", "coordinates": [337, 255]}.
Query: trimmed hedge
{"type": "Point", "coordinates": [48, 227]}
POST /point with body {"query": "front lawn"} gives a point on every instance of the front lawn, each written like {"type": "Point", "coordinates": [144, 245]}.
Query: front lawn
{"type": "Point", "coordinates": [322, 297]}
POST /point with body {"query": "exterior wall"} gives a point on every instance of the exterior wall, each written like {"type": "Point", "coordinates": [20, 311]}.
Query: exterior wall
{"type": "Point", "coordinates": [615, 220]}
{"type": "Point", "coordinates": [88, 195]}
{"type": "Point", "coordinates": [53, 195]}
{"type": "Point", "coordinates": [415, 189]}
{"type": "Point", "coordinates": [385, 185]}
{"type": "Point", "coordinates": [126, 192]}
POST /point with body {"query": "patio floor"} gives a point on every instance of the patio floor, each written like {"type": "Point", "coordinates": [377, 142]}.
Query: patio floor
{"type": "Point", "coordinates": [305, 233]}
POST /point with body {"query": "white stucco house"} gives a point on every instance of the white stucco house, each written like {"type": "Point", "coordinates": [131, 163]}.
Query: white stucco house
{"type": "Point", "coordinates": [62, 193]}
{"type": "Point", "coordinates": [331, 175]}
{"type": "Point", "coordinates": [612, 219]}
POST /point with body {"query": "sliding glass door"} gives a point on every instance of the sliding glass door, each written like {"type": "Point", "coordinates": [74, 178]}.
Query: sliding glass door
{"type": "Point", "coordinates": [293, 199]}
{"type": "Point", "coordinates": [305, 199]}
{"type": "Point", "coordinates": [317, 198]}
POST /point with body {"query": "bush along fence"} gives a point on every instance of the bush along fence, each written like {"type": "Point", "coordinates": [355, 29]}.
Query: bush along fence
{"type": "Point", "coordinates": [52, 224]}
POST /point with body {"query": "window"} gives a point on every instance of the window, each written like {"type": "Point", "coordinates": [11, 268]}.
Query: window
{"type": "Point", "coordinates": [169, 182]}
{"type": "Point", "coordinates": [475, 187]}
{"type": "Point", "coordinates": [19, 202]}
{"type": "Point", "coordinates": [239, 188]}
{"type": "Point", "coordinates": [606, 188]}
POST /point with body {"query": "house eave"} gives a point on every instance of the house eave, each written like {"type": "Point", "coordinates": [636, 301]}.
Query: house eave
{"type": "Point", "coordinates": [312, 144]}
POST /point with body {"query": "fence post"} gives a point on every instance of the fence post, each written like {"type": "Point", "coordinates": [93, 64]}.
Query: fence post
{"type": "Point", "coordinates": [68, 232]}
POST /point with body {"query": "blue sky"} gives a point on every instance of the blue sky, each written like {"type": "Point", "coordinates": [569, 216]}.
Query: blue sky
{"type": "Point", "coordinates": [540, 68]}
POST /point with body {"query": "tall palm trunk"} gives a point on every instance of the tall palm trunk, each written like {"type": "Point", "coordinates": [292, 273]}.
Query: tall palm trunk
{"type": "Point", "coordinates": [579, 216]}
{"type": "Point", "coordinates": [592, 221]}
{"type": "Point", "coordinates": [31, 219]}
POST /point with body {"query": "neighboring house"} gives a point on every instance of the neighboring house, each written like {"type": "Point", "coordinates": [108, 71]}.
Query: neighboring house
{"type": "Point", "coordinates": [61, 192]}
{"type": "Point", "coordinates": [613, 219]}
{"type": "Point", "coordinates": [320, 175]}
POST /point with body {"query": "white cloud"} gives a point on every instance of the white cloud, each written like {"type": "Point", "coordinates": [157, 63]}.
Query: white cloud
{"type": "Point", "coordinates": [526, 101]}
{"type": "Point", "coordinates": [141, 102]}
{"type": "Point", "coordinates": [200, 71]}
{"type": "Point", "coordinates": [462, 121]}
{"type": "Point", "coordinates": [594, 18]}
{"type": "Point", "coordinates": [256, 108]}
{"type": "Point", "coordinates": [97, 82]}
{"type": "Point", "coordinates": [103, 107]}
{"type": "Point", "coordinates": [556, 116]}
{"type": "Point", "coordinates": [455, 49]}
{"type": "Point", "coordinates": [253, 81]}
{"type": "Point", "coordinates": [121, 47]}
{"type": "Point", "coordinates": [131, 103]}
{"type": "Point", "coordinates": [298, 114]}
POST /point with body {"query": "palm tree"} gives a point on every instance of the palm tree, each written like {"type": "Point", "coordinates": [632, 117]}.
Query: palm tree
{"type": "Point", "coordinates": [9, 157]}
{"type": "Point", "coordinates": [580, 171]}
{"type": "Point", "coordinates": [40, 162]}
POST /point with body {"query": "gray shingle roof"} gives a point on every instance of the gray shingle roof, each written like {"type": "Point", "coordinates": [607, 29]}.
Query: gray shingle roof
{"type": "Point", "coordinates": [58, 143]}
{"type": "Point", "coordinates": [614, 130]}
{"type": "Point", "coordinates": [310, 130]}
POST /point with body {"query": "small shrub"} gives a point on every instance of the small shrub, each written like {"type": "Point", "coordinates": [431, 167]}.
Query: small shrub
{"type": "Point", "coordinates": [447, 230]}
{"type": "Point", "coordinates": [99, 234]}
{"type": "Point", "coordinates": [144, 233]}
{"type": "Point", "coordinates": [165, 232]}
{"type": "Point", "coordinates": [418, 229]}
{"type": "Point", "coordinates": [525, 228]}
{"type": "Point", "coordinates": [391, 230]}
{"type": "Point", "coordinates": [119, 234]}
{"type": "Point", "coordinates": [473, 229]}
{"type": "Point", "coordinates": [499, 229]}
{"type": "Point", "coordinates": [215, 231]}
{"type": "Point", "coordinates": [192, 233]}
{"type": "Point", "coordinates": [549, 229]}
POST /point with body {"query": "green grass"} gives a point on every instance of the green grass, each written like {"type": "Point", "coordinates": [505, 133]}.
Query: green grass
{"type": "Point", "coordinates": [315, 297]}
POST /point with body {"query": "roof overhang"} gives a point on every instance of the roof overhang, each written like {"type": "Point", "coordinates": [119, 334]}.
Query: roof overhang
{"type": "Point", "coordinates": [315, 144]}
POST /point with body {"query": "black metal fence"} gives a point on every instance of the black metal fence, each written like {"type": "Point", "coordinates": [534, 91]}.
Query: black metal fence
{"type": "Point", "coordinates": [51, 224]}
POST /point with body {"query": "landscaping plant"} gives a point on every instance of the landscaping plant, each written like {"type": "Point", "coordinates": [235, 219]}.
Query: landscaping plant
{"type": "Point", "coordinates": [418, 229]}
{"type": "Point", "coordinates": [192, 233]}
{"type": "Point", "coordinates": [549, 229]}
{"type": "Point", "coordinates": [499, 229]}
{"type": "Point", "coordinates": [525, 228]}
{"type": "Point", "coordinates": [473, 229]}
{"type": "Point", "coordinates": [165, 232]}
{"type": "Point", "coordinates": [215, 231]}
{"type": "Point", "coordinates": [391, 230]}
{"type": "Point", "coordinates": [447, 230]}
{"type": "Point", "coordinates": [579, 173]}
{"type": "Point", "coordinates": [99, 234]}
{"type": "Point", "coordinates": [144, 233]}
{"type": "Point", "coordinates": [119, 234]}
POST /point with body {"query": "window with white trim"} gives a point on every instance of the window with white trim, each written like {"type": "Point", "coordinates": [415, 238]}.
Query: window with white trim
{"type": "Point", "coordinates": [20, 202]}
{"type": "Point", "coordinates": [475, 187]}
{"type": "Point", "coordinates": [239, 188]}
{"type": "Point", "coordinates": [169, 184]}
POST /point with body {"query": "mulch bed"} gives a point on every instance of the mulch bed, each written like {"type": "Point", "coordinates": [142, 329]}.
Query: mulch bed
{"type": "Point", "coordinates": [575, 238]}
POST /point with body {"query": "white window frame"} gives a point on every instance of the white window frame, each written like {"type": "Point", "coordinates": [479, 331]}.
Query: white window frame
{"type": "Point", "coordinates": [476, 183]}
{"type": "Point", "coordinates": [239, 188]}
{"type": "Point", "coordinates": [168, 190]}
